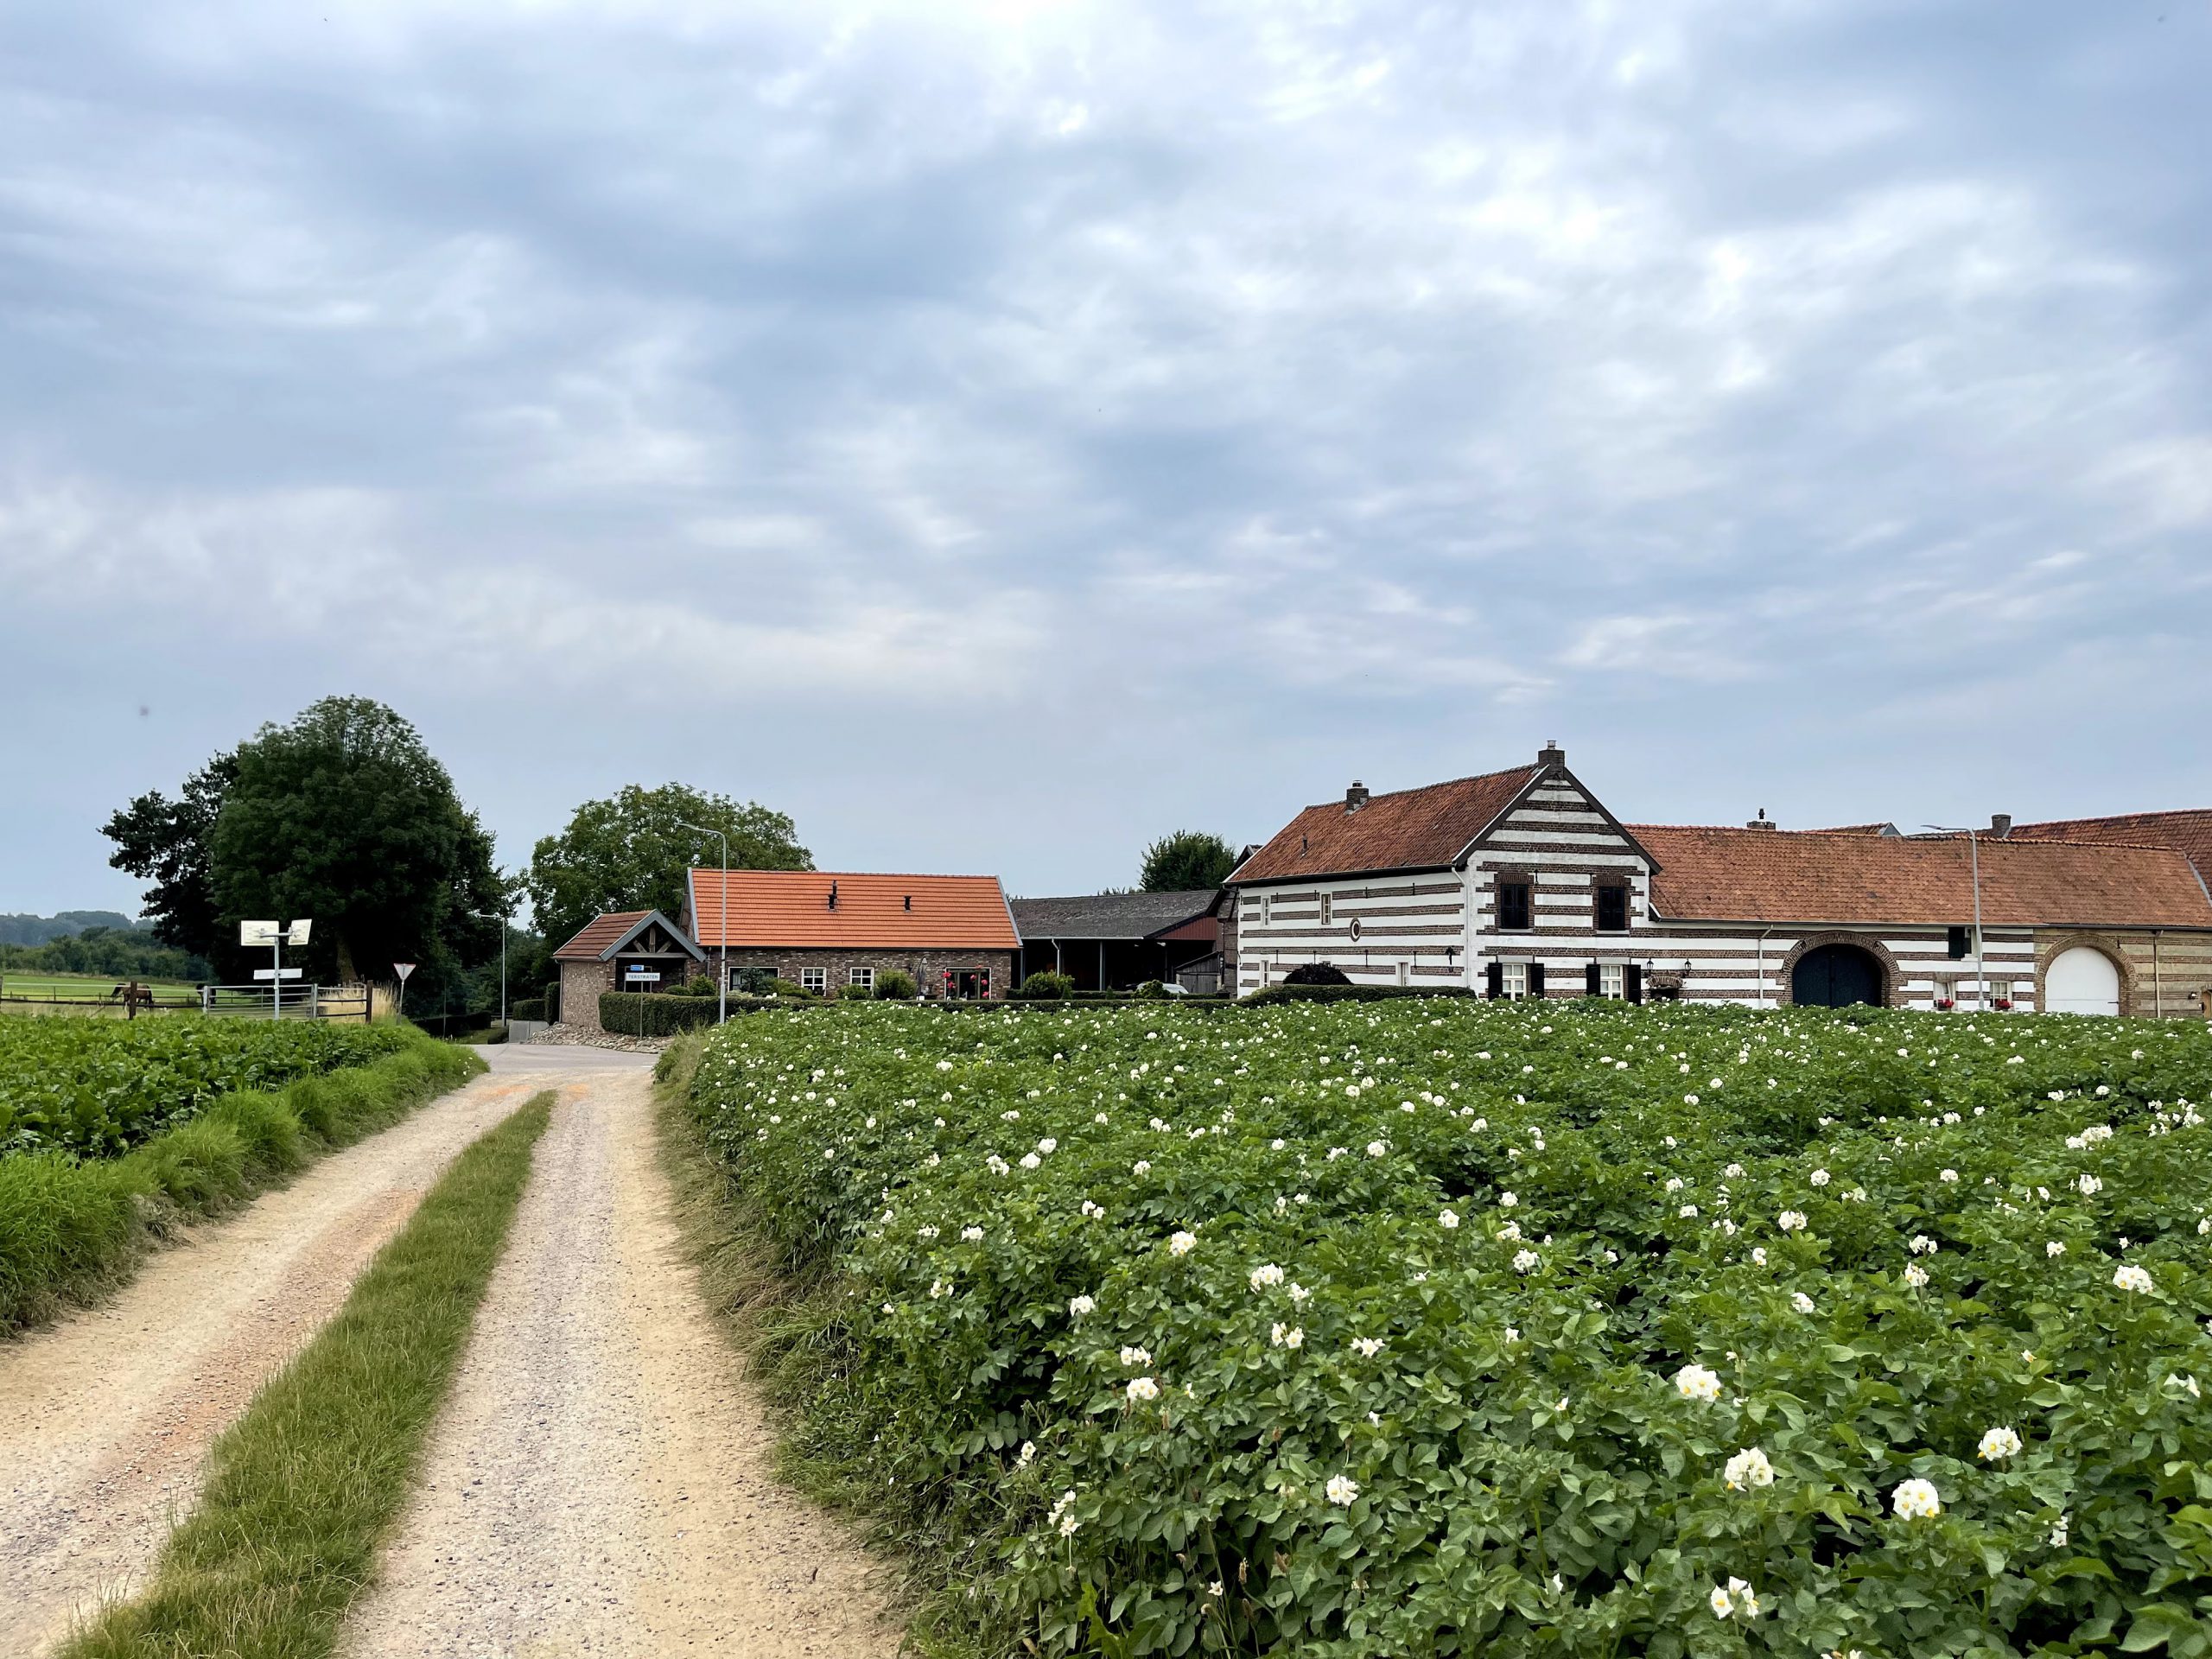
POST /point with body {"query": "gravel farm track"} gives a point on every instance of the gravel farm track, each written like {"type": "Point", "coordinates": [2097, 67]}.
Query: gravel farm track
{"type": "Point", "coordinates": [600, 1481]}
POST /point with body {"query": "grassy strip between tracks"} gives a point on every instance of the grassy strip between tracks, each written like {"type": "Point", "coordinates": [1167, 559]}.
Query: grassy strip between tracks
{"type": "Point", "coordinates": [71, 1228]}
{"type": "Point", "coordinates": [301, 1488]}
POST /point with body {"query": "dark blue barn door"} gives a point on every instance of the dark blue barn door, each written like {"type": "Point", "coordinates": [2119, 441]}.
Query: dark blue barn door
{"type": "Point", "coordinates": [1835, 976]}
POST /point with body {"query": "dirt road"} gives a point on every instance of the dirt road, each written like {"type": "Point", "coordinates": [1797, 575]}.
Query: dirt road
{"type": "Point", "coordinates": [599, 1482]}
{"type": "Point", "coordinates": [103, 1419]}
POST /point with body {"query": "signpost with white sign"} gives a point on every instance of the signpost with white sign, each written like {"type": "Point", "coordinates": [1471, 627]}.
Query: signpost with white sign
{"type": "Point", "coordinates": [276, 935]}
{"type": "Point", "coordinates": [403, 969]}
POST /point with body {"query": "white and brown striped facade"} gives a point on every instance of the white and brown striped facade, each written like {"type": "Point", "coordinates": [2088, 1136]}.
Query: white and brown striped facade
{"type": "Point", "coordinates": [1439, 925]}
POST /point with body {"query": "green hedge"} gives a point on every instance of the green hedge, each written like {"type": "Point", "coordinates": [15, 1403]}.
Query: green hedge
{"type": "Point", "coordinates": [69, 1229]}
{"type": "Point", "coordinates": [527, 1008]}
{"type": "Point", "coordinates": [1350, 993]}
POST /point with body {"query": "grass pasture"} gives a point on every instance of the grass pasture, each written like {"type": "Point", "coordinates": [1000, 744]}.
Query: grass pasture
{"type": "Point", "coordinates": [1462, 1328]}
{"type": "Point", "coordinates": [78, 987]}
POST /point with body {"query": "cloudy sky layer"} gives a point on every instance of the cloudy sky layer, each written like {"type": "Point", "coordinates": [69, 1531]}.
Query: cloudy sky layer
{"type": "Point", "coordinates": [999, 433]}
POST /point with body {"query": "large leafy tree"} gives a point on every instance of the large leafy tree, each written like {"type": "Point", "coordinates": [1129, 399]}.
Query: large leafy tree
{"type": "Point", "coordinates": [629, 853]}
{"type": "Point", "coordinates": [165, 843]}
{"type": "Point", "coordinates": [1186, 862]}
{"type": "Point", "coordinates": [345, 816]}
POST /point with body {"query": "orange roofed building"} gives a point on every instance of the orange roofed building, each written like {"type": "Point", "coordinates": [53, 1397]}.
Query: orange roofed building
{"type": "Point", "coordinates": [824, 930]}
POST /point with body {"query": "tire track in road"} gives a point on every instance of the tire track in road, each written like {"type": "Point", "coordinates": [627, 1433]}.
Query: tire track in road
{"type": "Point", "coordinates": [600, 1482]}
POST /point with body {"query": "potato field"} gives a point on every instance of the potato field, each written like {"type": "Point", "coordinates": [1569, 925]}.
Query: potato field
{"type": "Point", "coordinates": [96, 1088]}
{"type": "Point", "coordinates": [1446, 1327]}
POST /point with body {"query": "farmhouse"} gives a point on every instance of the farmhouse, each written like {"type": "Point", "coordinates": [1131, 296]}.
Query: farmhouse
{"type": "Point", "coordinates": [824, 929]}
{"type": "Point", "coordinates": [1115, 941]}
{"type": "Point", "coordinates": [1522, 883]}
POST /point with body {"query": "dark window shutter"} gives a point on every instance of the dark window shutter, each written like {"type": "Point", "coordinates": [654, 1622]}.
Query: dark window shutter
{"type": "Point", "coordinates": [1590, 980]}
{"type": "Point", "coordinates": [1497, 979]}
{"type": "Point", "coordinates": [1959, 941]}
{"type": "Point", "coordinates": [1536, 979]}
{"type": "Point", "coordinates": [1632, 981]}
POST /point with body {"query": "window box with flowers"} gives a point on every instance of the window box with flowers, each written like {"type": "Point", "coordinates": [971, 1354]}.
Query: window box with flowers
{"type": "Point", "coordinates": [1945, 1004]}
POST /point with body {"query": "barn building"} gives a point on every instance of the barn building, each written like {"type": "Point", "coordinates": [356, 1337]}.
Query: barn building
{"type": "Point", "coordinates": [1522, 883]}
{"type": "Point", "coordinates": [1117, 941]}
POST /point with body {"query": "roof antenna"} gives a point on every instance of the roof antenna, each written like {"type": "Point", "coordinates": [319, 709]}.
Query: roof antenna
{"type": "Point", "coordinates": [833, 893]}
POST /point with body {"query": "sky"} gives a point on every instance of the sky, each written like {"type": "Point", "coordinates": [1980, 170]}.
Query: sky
{"type": "Point", "coordinates": [998, 433]}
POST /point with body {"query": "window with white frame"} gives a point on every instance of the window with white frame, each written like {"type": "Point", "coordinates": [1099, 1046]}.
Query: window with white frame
{"type": "Point", "coordinates": [814, 979]}
{"type": "Point", "coordinates": [863, 977]}
{"type": "Point", "coordinates": [1405, 973]}
{"type": "Point", "coordinates": [1513, 981]}
{"type": "Point", "coordinates": [1328, 910]}
{"type": "Point", "coordinates": [1612, 980]}
{"type": "Point", "coordinates": [2000, 990]}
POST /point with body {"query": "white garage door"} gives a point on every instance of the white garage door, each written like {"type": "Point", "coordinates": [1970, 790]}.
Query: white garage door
{"type": "Point", "coordinates": [2082, 981]}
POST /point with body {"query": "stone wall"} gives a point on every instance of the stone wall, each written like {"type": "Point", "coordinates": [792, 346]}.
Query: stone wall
{"type": "Point", "coordinates": [927, 968]}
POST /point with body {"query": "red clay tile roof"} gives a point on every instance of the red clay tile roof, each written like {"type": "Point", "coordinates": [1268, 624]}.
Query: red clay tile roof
{"type": "Point", "coordinates": [1411, 829]}
{"type": "Point", "coordinates": [790, 908]}
{"type": "Point", "coordinates": [595, 935]}
{"type": "Point", "coordinates": [2185, 832]}
{"type": "Point", "coordinates": [1754, 876]}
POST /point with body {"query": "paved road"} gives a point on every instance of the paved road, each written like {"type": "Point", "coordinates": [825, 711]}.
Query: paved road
{"type": "Point", "coordinates": [105, 1418]}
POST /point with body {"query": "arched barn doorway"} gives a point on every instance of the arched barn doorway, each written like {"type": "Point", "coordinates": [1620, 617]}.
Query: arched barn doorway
{"type": "Point", "coordinates": [1835, 976]}
{"type": "Point", "coordinates": [2082, 979]}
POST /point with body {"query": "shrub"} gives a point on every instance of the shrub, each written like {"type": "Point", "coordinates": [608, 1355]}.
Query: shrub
{"type": "Point", "coordinates": [1316, 973]}
{"type": "Point", "coordinates": [1458, 1327]}
{"type": "Point", "coordinates": [893, 985]}
{"type": "Point", "coordinates": [527, 1008]}
{"type": "Point", "coordinates": [784, 988]}
{"type": "Point", "coordinates": [697, 985]}
{"type": "Point", "coordinates": [753, 980]}
{"type": "Point", "coordinates": [1045, 986]}
{"type": "Point", "coordinates": [1153, 989]}
{"type": "Point", "coordinates": [855, 993]}
{"type": "Point", "coordinates": [644, 1013]}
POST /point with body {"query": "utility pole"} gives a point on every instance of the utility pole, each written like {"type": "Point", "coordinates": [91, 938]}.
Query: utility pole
{"type": "Point", "coordinates": [721, 924]}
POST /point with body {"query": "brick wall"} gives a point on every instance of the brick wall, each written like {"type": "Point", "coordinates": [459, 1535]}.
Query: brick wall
{"type": "Point", "coordinates": [927, 968]}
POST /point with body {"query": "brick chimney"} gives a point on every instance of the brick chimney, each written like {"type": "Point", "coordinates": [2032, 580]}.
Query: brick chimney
{"type": "Point", "coordinates": [1552, 756]}
{"type": "Point", "coordinates": [2001, 825]}
{"type": "Point", "coordinates": [1762, 822]}
{"type": "Point", "coordinates": [1356, 797]}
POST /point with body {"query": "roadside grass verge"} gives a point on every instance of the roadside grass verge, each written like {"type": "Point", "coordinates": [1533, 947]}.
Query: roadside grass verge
{"type": "Point", "coordinates": [73, 1230]}
{"type": "Point", "coordinates": [304, 1485]}
{"type": "Point", "coordinates": [784, 1332]}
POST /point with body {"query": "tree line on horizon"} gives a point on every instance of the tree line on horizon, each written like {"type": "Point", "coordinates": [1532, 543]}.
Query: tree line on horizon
{"type": "Point", "coordinates": [344, 815]}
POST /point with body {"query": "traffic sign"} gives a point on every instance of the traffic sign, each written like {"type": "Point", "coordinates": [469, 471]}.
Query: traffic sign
{"type": "Point", "coordinates": [277, 973]}
{"type": "Point", "coordinates": [403, 969]}
{"type": "Point", "coordinates": [636, 975]}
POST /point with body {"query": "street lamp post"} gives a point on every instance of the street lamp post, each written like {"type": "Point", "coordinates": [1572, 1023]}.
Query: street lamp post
{"type": "Point", "coordinates": [501, 918]}
{"type": "Point", "coordinates": [721, 924]}
{"type": "Point", "coordinates": [1973, 855]}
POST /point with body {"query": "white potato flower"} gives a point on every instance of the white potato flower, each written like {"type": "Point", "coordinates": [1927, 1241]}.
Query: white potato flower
{"type": "Point", "coordinates": [2089, 1186]}
{"type": "Point", "coordinates": [1342, 1491]}
{"type": "Point", "coordinates": [1800, 1301]}
{"type": "Point", "coordinates": [1265, 1275]}
{"type": "Point", "coordinates": [1143, 1388]}
{"type": "Point", "coordinates": [1821, 1177]}
{"type": "Point", "coordinates": [1143, 1166]}
{"type": "Point", "coordinates": [1915, 1275]}
{"type": "Point", "coordinates": [1508, 1200]}
{"type": "Point", "coordinates": [1079, 1306]}
{"type": "Point", "coordinates": [2054, 1250]}
{"type": "Point", "coordinates": [1999, 1443]}
{"type": "Point", "coordinates": [1526, 1262]}
{"type": "Point", "coordinates": [2132, 1279]}
{"type": "Point", "coordinates": [1791, 1221]}
{"type": "Point", "coordinates": [1448, 1219]}
{"type": "Point", "coordinates": [1922, 1245]}
{"type": "Point", "coordinates": [1747, 1469]}
{"type": "Point", "coordinates": [1693, 1382]}
{"type": "Point", "coordinates": [1182, 1243]}
{"type": "Point", "coordinates": [1916, 1500]}
{"type": "Point", "coordinates": [1367, 1347]}
{"type": "Point", "coordinates": [1136, 1356]}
